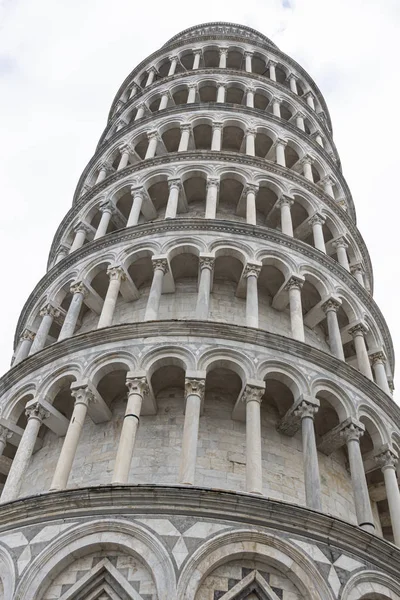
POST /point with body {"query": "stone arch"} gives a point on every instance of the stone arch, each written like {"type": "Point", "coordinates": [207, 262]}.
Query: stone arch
{"type": "Point", "coordinates": [268, 548]}
{"type": "Point", "coordinates": [289, 375]}
{"type": "Point", "coordinates": [189, 244]}
{"type": "Point", "coordinates": [7, 573]}
{"type": "Point", "coordinates": [55, 381]}
{"type": "Point", "coordinates": [130, 538]}
{"type": "Point", "coordinates": [104, 364]}
{"type": "Point", "coordinates": [374, 426]}
{"type": "Point", "coordinates": [336, 396]}
{"type": "Point", "coordinates": [15, 405]}
{"type": "Point", "coordinates": [159, 357]}
{"type": "Point", "coordinates": [231, 359]}
{"type": "Point", "coordinates": [371, 584]}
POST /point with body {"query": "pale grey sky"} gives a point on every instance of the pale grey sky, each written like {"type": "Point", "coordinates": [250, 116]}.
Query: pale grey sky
{"type": "Point", "coordinates": [61, 63]}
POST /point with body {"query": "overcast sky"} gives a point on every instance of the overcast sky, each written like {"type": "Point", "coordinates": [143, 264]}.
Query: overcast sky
{"type": "Point", "coordinates": [62, 61]}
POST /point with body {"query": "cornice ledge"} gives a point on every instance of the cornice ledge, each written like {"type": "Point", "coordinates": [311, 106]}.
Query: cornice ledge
{"type": "Point", "coordinates": [244, 509]}
{"type": "Point", "coordinates": [203, 329]}
{"type": "Point", "coordinates": [209, 225]}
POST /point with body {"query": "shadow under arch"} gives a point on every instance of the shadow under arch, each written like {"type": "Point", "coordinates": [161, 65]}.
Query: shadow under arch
{"type": "Point", "coordinates": [371, 584]}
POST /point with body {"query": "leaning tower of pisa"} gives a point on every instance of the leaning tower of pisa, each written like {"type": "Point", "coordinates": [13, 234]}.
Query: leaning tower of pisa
{"type": "Point", "coordinates": [199, 405]}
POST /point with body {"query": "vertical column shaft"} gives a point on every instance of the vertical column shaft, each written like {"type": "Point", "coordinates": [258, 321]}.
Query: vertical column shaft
{"type": "Point", "coordinates": [194, 392]}
{"type": "Point", "coordinates": [160, 267]}
{"type": "Point", "coordinates": [306, 411]}
{"type": "Point", "coordinates": [251, 273]}
{"type": "Point", "coordinates": [203, 295]}
{"type": "Point", "coordinates": [364, 365]}
{"type": "Point", "coordinates": [212, 198]}
{"type": "Point", "coordinates": [330, 308]}
{"type": "Point", "coordinates": [294, 286]}
{"type": "Point", "coordinates": [116, 275]}
{"type": "Point", "coordinates": [79, 291]}
{"type": "Point", "coordinates": [252, 396]}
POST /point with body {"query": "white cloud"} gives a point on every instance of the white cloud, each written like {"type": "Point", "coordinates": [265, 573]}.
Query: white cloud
{"type": "Point", "coordinates": [62, 62]}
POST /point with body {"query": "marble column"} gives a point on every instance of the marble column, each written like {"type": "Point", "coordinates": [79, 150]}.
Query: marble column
{"type": "Point", "coordinates": [248, 58]}
{"type": "Point", "coordinates": [206, 264]}
{"type": "Point", "coordinates": [141, 109]}
{"type": "Point", "coordinates": [216, 141]}
{"type": "Point", "coordinates": [378, 360]}
{"type": "Point", "coordinates": [221, 93]}
{"type": "Point", "coordinates": [83, 396]}
{"type": "Point", "coordinates": [250, 97]}
{"type": "Point", "coordinates": [62, 252]}
{"type": "Point", "coordinates": [294, 286]}
{"type": "Point", "coordinates": [5, 434]}
{"type": "Point", "coordinates": [103, 171]}
{"type": "Point", "coordinates": [116, 275]}
{"type": "Point", "coordinates": [26, 340]}
{"type": "Point", "coordinates": [387, 461]}
{"type": "Point", "coordinates": [280, 146]}
{"type": "Point", "coordinates": [79, 292]}
{"type": "Point", "coordinates": [316, 223]}
{"type": "Point", "coordinates": [121, 124]}
{"type": "Point", "coordinates": [133, 92]}
{"type": "Point", "coordinates": [125, 151]}
{"type": "Point", "coordinates": [327, 182]}
{"type": "Point", "coordinates": [194, 394]}
{"type": "Point", "coordinates": [196, 59]}
{"type": "Point", "coordinates": [107, 209]}
{"type": "Point", "coordinates": [212, 188]}
{"type": "Point", "coordinates": [251, 141]}
{"type": "Point", "coordinates": [351, 435]}
{"type": "Point", "coordinates": [81, 230]}
{"type": "Point", "coordinates": [192, 90]}
{"type": "Point", "coordinates": [250, 192]}
{"type": "Point", "coordinates": [276, 107]}
{"type": "Point", "coordinates": [48, 314]}
{"type": "Point", "coordinates": [293, 83]}
{"type": "Point", "coordinates": [340, 246]}
{"type": "Point", "coordinates": [160, 267]}
{"type": "Point", "coordinates": [272, 69]}
{"type": "Point", "coordinates": [306, 411]}
{"type": "Point", "coordinates": [357, 271]}
{"type": "Point", "coordinates": [150, 77]}
{"type": "Point", "coordinates": [330, 308]}
{"type": "Point", "coordinates": [186, 130]}
{"type": "Point", "coordinates": [175, 187]}
{"type": "Point", "coordinates": [300, 121]}
{"type": "Point", "coordinates": [306, 163]}
{"type": "Point", "coordinates": [251, 273]}
{"type": "Point", "coordinates": [137, 389]}
{"type": "Point", "coordinates": [36, 415]}
{"type": "Point", "coordinates": [310, 100]}
{"type": "Point", "coordinates": [154, 138]}
{"type": "Point", "coordinates": [358, 332]}
{"type": "Point", "coordinates": [318, 138]}
{"type": "Point", "coordinates": [164, 100]}
{"type": "Point", "coordinates": [223, 55]}
{"type": "Point", "coordinates": [173, 65]}
{"type": "Point", "coordinates": [138, 197]}
{"type": "Point", "coordinates": [285, 203]}
{"type": "Point", "coordinates": [252, 397]}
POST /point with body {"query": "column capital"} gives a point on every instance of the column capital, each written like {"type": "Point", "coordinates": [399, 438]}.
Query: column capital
{"type": "Point", "coordinates": [251, 188]}
{"type": "Point", "coordinates": [50, 310]}
{"type": "Point", "coordinates": [217, 125]}
{"type": "Point", "coordinates": [125, 147]}
{"type": "Point", "coordinates": [356, 268]}
{"type": "Point", "coordinates": [248, 53]}
{"type": "Point", "coordinates": [62, 248]}
{"type": "Point", "coordinates": [252, 270]}
{"type": "Point", "coordinates": [165, 92]}
{"type": "Point", "coordinates": [386, 458]}
{"type": "Point", "coordinates": [251, 88]}
{"type": "Point", "coordinates": [212, 182]}
{"type": "Point", "coordinates": [152, 69]}
{"type": "Point", "coordinates": [222, 84]}
{"type": "Point", "coordinates": [194, 387]}
{"type": "Point", "coordinates": [78, 287]}
{"type": "Point", "coordinates": [280, 142]}
{"type": "Point", "coordinates": [251, 130]}
{"type": "Point", "coordinates": [358, 329]}
{"type": "Point", "coordinates": [116, 272]}
{"type": "Point", "coordinates": [27, 334]}
{"type": "Point", "coordinates": [294, 281]}
{"type": "Point", "coordinates": [197, 51]}
{"type": "Point", "coordinates": [340, 242]}
{"type": "Point", "coordinates": [153, 134]}
{"type": "Point", "coordinates": [292, 76]}
{"type": "Point", "coordinates": [317, 219]}
{"type": "Point", "coordinates": [300, 115]}
{"type": "Point", "coordinates": [271, 63]}
{"type": "Point", "coordinates": [186, 127]}
{"type": "Point", "coordinates": [34, 410]}
{"type": "Point", "coordinates": [107, 206]}
{"type": "Point", "coordinates": [137, 190]}
{"type": "Point", "coordinates": [223, 51]}
{"type": "Point", "coordinates": [306, 160]}
{"type": "Point", "coordinates": [160, 264]}
{"type": "Point", "coordinates": [82, 393]}
{"type": "Point", "coordinates": [252, 393]}
{"type": "Point", "coordinates": [377, 357]}
{"type": "Point", "coordinates": [307, 408]}
{"type": "Point", "coordinates": [309, 94]}
{"type": "Point", "coordinates": [173, 57]}
{"type": "Point", "coordinates": [82, 226]}
{"type": "Point", "coordinates": [137, 385]}
{"type": "Point", "coordinates": [285, 201]}
{"type": "Point", "coordinates": [332, 304]}
{"type": "Point", "coordinates": [192, 85]}
{"type": "Point", "coordinates": [328, 179]}
{"type": "Point", "coordinates": [174, 184]}
{"type": "Point", "coordinates": [5, 434]}
{"type": "Point", "coordinates": [105, 166]}
{"type": "Point", "coordinates": [352, 432]}
{"type": "Point", "coordinates": [206, 262]}
{"type": "Point", "coordinates": [277, 99]}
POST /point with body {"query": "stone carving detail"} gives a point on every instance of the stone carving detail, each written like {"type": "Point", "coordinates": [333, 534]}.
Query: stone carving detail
{"type": "Point", "coordinates": [37, 411]}
{"type": "Point", "coordinates": [195, 387]}
{"type": "Point", "coordinates": [137, 385]}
